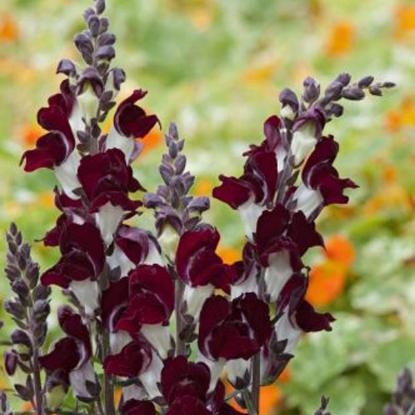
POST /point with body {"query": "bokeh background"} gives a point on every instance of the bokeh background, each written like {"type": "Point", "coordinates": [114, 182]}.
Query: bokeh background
{"type": "Point", "coordinates": [216, 68]}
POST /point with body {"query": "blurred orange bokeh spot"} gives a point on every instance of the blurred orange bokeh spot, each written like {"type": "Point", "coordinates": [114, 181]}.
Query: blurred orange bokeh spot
{"type": "Point", "coordinates": [339, 249]}
{"type": "Point", "coordinates": [327, 279]}
{"type": "Point", "coordinates": [9, 31]}
{"type": "Point", "coordinates": [403, 117]}
{"type": "Point", "coordinates": [340, 39]}
{"type": "Point", "coordinates": [204, 187]}
{"type": "Point", "coordinates": [152, 140]}
{"type": "Point", "coordinates": [229, 255]}
{"type": "Point", "coordinates": [404, 20]}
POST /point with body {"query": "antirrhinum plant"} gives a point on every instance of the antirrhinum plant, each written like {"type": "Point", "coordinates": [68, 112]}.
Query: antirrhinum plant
{"type": "Point", "coordinates": [159, 315]}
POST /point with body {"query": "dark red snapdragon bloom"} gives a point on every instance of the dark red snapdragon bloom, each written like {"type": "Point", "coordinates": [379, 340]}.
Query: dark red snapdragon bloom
{"type": "Point", "coordinates": [321, 185]}
{"type": "Point", "coordinates": [70, 356]}
{"type": "Point", "coordinates": [54, 147]}
{"type": "Point", "coordinates": [297, 315]}
{"type": "Point", "coordinates": [256, 188]}
{"type": "Point", "coordinates": [81, 263]}
{"type": "Point", "coordinates": [233, 330]}
{"type": "Point", "coordinates": [137, 407]}
{"type": "Point", "coordinates": [130, 122]}
{"type": "Point", "coordinates": [150, 304]}
{"type": "Point", "coordinates": [185, 387]}
{"type": "Point", "coordinates": [200, 267]}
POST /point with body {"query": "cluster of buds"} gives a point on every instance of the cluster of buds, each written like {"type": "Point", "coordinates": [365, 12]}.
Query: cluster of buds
{"type": "Point", "coordinates": [403, 399]}
{"type": "Point", "coordinates": [29, 309]}
{"type": "Point", "coordinates": [160, 314]}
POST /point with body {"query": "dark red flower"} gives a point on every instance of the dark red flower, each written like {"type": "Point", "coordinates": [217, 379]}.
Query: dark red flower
{"type": "Point", "coordinates": [151, 298]}
{"type": "Point", "coordinates": [130, 120]}
{"type": "Point", "coordinates": [196, 260]}
{"type": "Point", "coordinates": [233, 330]}
{"type": "Point", "coordinates": [106, 178]}
{"type": "Point", "coordinates": [134, 359]}
{"type": "Point", "coordinates": [136, 407]}
{"type": "Point", "coordinates": [54, 147]}
{"type": "Point", "coordinates": [83, 256]}
{"type": "Point", "coordinates": [72, 352]}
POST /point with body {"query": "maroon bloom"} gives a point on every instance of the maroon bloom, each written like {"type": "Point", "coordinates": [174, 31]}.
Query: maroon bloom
{"type": "Point", "coordinates": [278, 230]}
{"type": "Point", "coordinates": [54, 147]}
{"type": "Point", "coordinates": [130, 120]}
{"type": "Point", "coordinates": [185, 387]}
{"type": "Point", "coordinates": [233, 330]}
{"type": "Point", "coordinates": [134, 358]}
{"type": "Point", "coordinates": [319, 173]}
{"type": "Point", "coordinates": [83, 256]}
{"type": "Point", "coordinates": [72, 353]}
{"type": "Point", "coordinates": [258, 183]}
{"type": "Point", "coordinates": [105, 177]}
{"type": "Point", "coordinates": [301, 313]}
{"type": "Point", "coordinates": [196, 260]}
{"type": "Point", "coordinates": [136, 407]}
{"type": "Point", "coordinates": [151, 298]}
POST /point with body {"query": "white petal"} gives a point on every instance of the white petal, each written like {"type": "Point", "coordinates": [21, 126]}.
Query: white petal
{"type": "Point", "coordinates": [237, 368]}
{"type": "Point", "coordinates": [250, 212]}
{"type": "Point", "coordinates": [195, 297]}
{"type": "Point", "coordinates": [277, 274]}
{"type": "Point", "coordinates": [151, 377]}
{"type": "Point", "coordinates": [75, 120]}
{"type": "Point", "coordinates": [250, 285]}
{"type": "Point", "coordinates": [169, 240]}
{"type": "Point", "coordinates": [153, 256]}
{"type": "Point", "coordinates": [88, 104]}
{"type": "Point", "coordinates": [116, 140]}
{"type": "Point", "coordinates": [119, 340]}
{"type": "Point", "coordinates": [133, 392]}
{"type": "Point", "coordinates": [308, 200]}
{"type": "Point", "coordinates": [67, 174]}
{"type": "Point", "coordinates": [286, 331]}
{"type": "Point", "coordinates": [303, 142]}
{"type": "Point", "coordinates": [108, 218]}
{"type": "Point", "coordinates": [119, 259]}
{"type": "Point", "coordinates": [87, 293]}
{"type": "Point", "coordinates": [79, 377]}
{"type": "Point", "coordinates": [158, 336]}
{"type": "Point", "coordinates": [215, 367]}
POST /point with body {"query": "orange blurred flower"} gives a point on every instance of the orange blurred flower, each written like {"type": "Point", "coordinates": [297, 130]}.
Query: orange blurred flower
{"type": "Point", "coordinates": [9, 31]}
{"type": "Point", "coordinates": [341, 39]}
{"type": "Point", "coordinates": [204, 187]}
{"type": "Point", "coordinates": [30, 134]}
{"type": "Point", "coordinates": [327, 282]}
{"type": "Point", "coordinates": [327, 279]}
{"type": "Point", "coordinates": [339, 249]}
{"type": "Point", "coordinates": [403, 117]}
{"type": "Point", "coordinates": [404, 21]}
{"type": "Point", "coordinates": [152, 140]}
{"type": "Point", "coordinates": [229, 255]}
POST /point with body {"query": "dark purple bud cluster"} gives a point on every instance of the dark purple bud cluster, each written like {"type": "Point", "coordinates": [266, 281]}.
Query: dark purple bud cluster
{"type": "Point", "coordinates": [172, 204]}
{"type": "Point", "coordinates": [403, 399]}
{"type": "Point", "coordinates": [327, 102]}
{"type": "Point", "coordinates": [29, 309]}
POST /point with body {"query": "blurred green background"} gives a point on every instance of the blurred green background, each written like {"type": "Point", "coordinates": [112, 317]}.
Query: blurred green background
{"type": "Point", "coordinates": [216, 68]}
